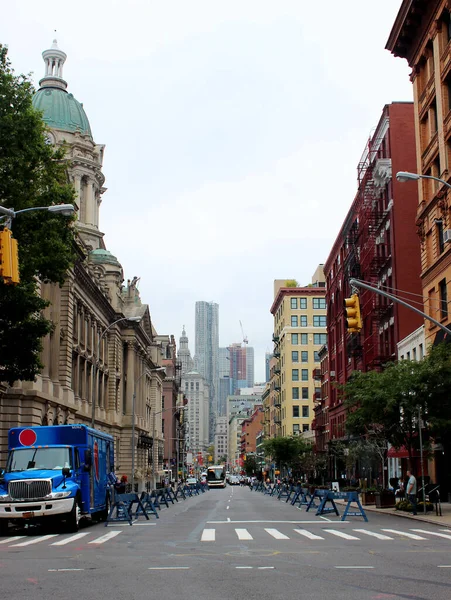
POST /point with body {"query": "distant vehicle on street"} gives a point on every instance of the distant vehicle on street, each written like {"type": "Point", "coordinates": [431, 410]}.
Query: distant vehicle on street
{"type": "Point", "coordinates": [234, 480]}
{"type": "Point", "coordinates": [216, 476]}
{"type": "Point", "coordinates": [192, 482]}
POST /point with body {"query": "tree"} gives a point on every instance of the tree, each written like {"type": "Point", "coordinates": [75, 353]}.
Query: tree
{"type": "Point", "coordinates": [288, 452]}
{"type": "Point", "coordinates": [389, 404]}
{"type": "Point", "coordinates": [250, 465]}
{"type": "Point", "coordinates": [32, 174]}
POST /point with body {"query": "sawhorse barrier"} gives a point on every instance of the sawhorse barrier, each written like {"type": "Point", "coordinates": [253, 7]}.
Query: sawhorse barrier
{"type": "Point", "coordinates": [123, 506]}
{"type": "Point", "coordinates": [327, 497]}
{"type": "Point", "coordinates": [149, 506]}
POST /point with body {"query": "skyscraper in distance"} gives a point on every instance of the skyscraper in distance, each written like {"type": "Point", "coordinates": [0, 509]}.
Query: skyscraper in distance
{"type": "Point", "coordinates": [206, 357]}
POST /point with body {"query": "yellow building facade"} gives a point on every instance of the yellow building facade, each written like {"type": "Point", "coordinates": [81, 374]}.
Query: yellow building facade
{"type": "Point", "coordinates": [299, 333]}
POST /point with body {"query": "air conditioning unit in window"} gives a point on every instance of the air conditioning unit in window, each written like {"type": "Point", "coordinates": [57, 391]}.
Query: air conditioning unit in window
{"type": "Point", "coordinates": [447, 235]}
{"type": "Point", "coordinates": [332, 373]}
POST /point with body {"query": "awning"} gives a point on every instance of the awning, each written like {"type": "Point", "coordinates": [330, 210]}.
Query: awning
{"type": "Point", "coordinates": [401, 452]}
{"type": "Point", "coordinates": [442, 336]}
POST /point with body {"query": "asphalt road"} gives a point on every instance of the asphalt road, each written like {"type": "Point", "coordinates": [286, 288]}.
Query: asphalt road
{"type": "Point", "coordinates": [232, 543]}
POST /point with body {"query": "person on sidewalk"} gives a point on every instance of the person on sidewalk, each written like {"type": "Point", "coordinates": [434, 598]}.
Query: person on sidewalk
{"type": "Point", "coordinates": [411, 491]}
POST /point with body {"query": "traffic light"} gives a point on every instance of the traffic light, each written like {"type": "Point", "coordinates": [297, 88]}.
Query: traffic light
{"type": "Point", "coordinates": [9, 257]}
{"type": "Point", "coordinates": [353, 316]}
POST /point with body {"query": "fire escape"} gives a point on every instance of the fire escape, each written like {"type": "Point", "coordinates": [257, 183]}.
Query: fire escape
{"type": "Point", "coordinates": [275, 390]}
{"type": "Point", "coordinates": [373, 258]}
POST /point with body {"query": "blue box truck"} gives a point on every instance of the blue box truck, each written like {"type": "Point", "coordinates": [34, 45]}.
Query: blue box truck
{"type": "Point", "coordinates": [59, 473]}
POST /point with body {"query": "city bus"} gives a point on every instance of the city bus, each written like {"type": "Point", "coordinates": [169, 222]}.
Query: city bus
{"type": "Point", "coordinates": [216, 476]}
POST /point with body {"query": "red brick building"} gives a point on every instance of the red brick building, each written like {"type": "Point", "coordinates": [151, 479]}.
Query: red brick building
{"type": "Point", "coordinates": [378, 244]}
{"type": "Point", "coordinates": [250, 428]}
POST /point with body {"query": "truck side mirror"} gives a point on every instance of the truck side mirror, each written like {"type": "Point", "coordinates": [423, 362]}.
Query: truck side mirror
{"type": "Point", "coordinates": [88, 459]}
{"type": "Point", "coordinates": [66, 472]}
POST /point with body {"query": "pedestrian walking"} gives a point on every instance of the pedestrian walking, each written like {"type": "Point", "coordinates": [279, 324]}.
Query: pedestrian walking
{"type": "Point", "coordinates": [411, 491]}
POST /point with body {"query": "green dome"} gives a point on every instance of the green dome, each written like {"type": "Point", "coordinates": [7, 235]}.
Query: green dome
{"type": "Point", "coordinates": [103, 256]}
{"type": "Point", "coordinates": [61, 110]}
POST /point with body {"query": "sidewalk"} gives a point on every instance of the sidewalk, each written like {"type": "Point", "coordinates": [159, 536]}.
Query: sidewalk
{"type": "Point", "coordinates": [429, 517]}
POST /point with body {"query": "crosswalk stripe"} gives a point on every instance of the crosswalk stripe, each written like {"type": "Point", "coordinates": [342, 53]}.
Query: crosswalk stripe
{"type": "Point", "coordinates": [308, 534]}
{"type": "Point", "coordinates": [276, 534]}
{"type": "Point", "coordinates": [11, 539]}
{"type": "Point", "coordinates": [379, 536]}
{"type": "Point", "coordinates": [243, 534]}
{"type": "Point", "coordinates": [442, 535]}
{"type": "Point", "coordinates": [35, 540]}
{"type": "Point", "coordinates": [104, 538]}
{"type": "Point", "coordinates": [208, 535]}
{"type": "Point", "coordinates": [405, 534]}
{"type": "Point", "coordinates": [341, 534]}
{"type": "Point", "coordinates": [67, 540]}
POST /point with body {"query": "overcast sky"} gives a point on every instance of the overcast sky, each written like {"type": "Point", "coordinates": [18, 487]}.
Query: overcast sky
{"type": "Point", "coordinates": [233, 132]}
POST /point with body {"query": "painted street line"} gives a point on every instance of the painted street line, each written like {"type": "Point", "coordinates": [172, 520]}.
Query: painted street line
{"type": "Point", "coordinates": [208, 535]}
{"type": "Point", "coordinates": [263, 568]}
{"type": "Point", "coordinates": [341, 534]}
{"type": "Point", "coordinates": [412, 536]}
{"type": "Point", "coordinates": [379, 536]}
{"type": "Point", "coordinates": [442, 535]}
{"type": "Point", "coordinates": [243, 534]}
{"type": "Point", "coordinates": [444, 566]}
{"type": "Point", "coordinates": [35, 540]}
{"type": "Point", "coordinates": [104, 538]}
{"type": "Point", "coordinates": [70, 539]}
{"type": "Point", "coordinates": [278, 522]}
{"type": "Point", "coordinates": [354, 567]}
{"type": "Point", "coordinates": [11, 539]}
{"type": "Point", "coordinates": [308, 534]}
{"type": "Point", "coordinates": [168, 568]}
{"type": "Point", "coordinates": [276, 534]}
{"type": "Point", "coordinates": [61, 570]}
{"type": "Point", "coordinates": [326, 519]}
{"type": "Point", "coordinates": [244, 567]}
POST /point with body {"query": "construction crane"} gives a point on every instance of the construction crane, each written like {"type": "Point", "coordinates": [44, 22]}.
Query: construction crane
{"type": "Point", "coordinates": [245, 340]}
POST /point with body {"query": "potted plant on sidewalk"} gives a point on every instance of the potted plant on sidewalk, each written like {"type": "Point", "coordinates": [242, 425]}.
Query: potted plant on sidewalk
{"type": "Point", "coordinates": [385, 499]}
{"type": "Point", "coordinates": [369, 496]}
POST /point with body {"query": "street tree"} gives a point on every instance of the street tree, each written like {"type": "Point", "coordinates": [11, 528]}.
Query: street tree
{"type": "Point", "coordinates": [288, 452]}
{"type": "Point", "coordinates": [32, 174]}
{"type": "Point", "coordinates": [389, 404]}
{"type": "Point", "coordinates": [250, 465]}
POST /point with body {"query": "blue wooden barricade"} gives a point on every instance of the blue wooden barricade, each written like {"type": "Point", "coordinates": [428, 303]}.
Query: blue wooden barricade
{"type": "Point", "coordinates": [313, 498]}
{"type": "Point", "coordinates": [168, 494]}
{"type": "Point", "coordinates": [328, 497]}
{"type": "Point", "coordinates": [122, 509]}
{"type": "Point", "coordinates": [161, 493]}
{"type": "Point", "coordinates": [353, 497]}
{"type": "Point", "coordinates": [154, 498]}
{"type": "Point", "coordinates": [283, 492]}
{"type": "Point", "coordinates": [180, 492]}
{"type": "Point", "coordinates": [148, 505]}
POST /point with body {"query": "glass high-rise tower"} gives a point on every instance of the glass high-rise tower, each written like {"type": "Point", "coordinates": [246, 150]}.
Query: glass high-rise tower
{"type": "Point", "coordinates": [206, 356]}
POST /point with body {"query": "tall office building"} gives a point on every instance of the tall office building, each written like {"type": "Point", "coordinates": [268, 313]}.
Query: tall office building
{"type": "Point", "coordinates": [184, 354]}
{"type": "Point", "coordinates": [268, 357]}
{"type": "Point", "coordinates": [207, 353]}
{"type": "Point", "coordinates": [241, 367]}
{"type": "Point", "coordinates": [195, 388]}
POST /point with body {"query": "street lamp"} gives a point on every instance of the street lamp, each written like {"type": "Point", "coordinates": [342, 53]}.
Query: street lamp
{"type": "Point", "coordinates": [404, 176]}
{"type": "Point", "coordinates": [63, 209]}
{"type": "Point", "coordinates": [94, 364]}
{"type": "Point", "coordinates": [133, 419]}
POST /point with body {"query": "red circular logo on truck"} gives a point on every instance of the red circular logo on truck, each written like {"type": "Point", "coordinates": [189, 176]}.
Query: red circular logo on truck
{"type": "Point", "coordinates": [96, 460]}
{"type": "Point", "coordinates": [27, 437]}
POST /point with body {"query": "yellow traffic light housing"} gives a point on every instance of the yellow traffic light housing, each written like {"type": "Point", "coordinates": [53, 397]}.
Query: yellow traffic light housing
{"type": "Point", "coordinates": [353, 316]}
{"type": "Point", "coordinates": [9, 258]}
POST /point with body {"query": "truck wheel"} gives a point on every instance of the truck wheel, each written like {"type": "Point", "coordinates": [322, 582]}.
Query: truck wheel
{"type": "Point", "coordinates": [4, 528]}
{"type": "Point", "coordinates": [73, 518]}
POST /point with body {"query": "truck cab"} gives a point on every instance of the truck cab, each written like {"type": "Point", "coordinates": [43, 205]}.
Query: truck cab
{"type": "Point", "coordinates": [58, 473]}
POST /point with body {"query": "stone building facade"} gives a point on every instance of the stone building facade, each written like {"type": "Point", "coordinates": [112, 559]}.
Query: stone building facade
{"type": "Point", "coordinates": [100, 367]}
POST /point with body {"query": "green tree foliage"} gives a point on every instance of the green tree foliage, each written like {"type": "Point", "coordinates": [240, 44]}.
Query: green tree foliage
{"type": "Point", "coordinates": [32, 174]}
{"type": "Point", "coordinates": [288, 452]}
{"type": "Point", "coordinates": [388, 404]}
{"type": "Point", "coordinates": [250, 465]}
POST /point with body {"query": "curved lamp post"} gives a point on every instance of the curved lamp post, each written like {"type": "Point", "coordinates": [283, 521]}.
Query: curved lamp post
{"type": "Point", "coordinates": [155, 448]}
{"type": "Point", "coordinates": [94, 364]}
{"type": "Point", "coordinates": [133, 419]}
{"type": "Point", "coordinates": [62, 209]}
{"type": "Point", "coordinates": [403, 176]}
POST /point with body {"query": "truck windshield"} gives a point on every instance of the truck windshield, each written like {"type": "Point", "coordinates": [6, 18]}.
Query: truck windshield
{"type": "Point", "coordinates": [27, 459]}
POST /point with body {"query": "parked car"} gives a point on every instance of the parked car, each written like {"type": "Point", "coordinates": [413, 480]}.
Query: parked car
{"type": "Point", "coordinates": [234, 480]}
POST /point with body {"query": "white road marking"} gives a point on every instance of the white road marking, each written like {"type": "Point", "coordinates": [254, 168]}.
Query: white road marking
{"type": "Point", "coordinates": [272, 521]}
{"type": "Point", "coordinates": [262, 568]}
{"type": "Point", "coordinates": [104, 538]}
{"type": "Point", "coordinates": [61, 570]}
{"type": "Point", "coordinates": [354, 567]}
{"type": "Point", "coordinates": [326, 519]}
{"type": "Point", "coordinates": [444, 566]}
{"type": "Point", "coordinates": [442, 535]}
{"type": "Point", "coordinates": [412, 536]}
{"type": "Point", "coordinates": [168, 568]}
{"type": "Point", "coordinates": [227, 507]}
{"type": "Point", "coordinates": [309, 535]}
{"type": "Point", "coordinates": [244, 567]}
{"type": "Point", "coordinates": [11, 539]}
{"type": "Point", "coordinates": [276, 534]}
{"type": "Point", "coordinates": [243, 534]}
{"type": "Point", "coordinates": [228, 519]}
{"type": "Point", "coordinates": [208, 535]}
{"type": "Point", "coordinates": [35, 540]}
{"type": "Point", "coordinates": [379, 536]}
{"type": "Point", "coordinates": [341, 534]}
{"type": "Point", "coordinates": [72, 538]}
